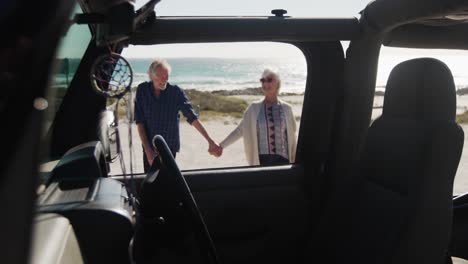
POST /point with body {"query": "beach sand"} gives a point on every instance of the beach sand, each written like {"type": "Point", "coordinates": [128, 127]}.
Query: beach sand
{"type": "Point", "coordinates": [194, 148]}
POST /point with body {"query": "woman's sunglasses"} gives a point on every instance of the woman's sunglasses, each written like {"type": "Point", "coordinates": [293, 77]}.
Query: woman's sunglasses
{"type": "Point", "coordinates": [268, 80]}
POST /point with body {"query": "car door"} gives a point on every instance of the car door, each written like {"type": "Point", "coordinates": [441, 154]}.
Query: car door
{"type": "Point", "coordinates": [267, 213]}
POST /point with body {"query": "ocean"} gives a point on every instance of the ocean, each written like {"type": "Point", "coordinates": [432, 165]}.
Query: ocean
{"type": "Point", "coordinates": [209, 74]}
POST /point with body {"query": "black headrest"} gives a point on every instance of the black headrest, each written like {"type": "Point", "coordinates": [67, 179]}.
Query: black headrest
{"type": "Point", "coordinates": [420, 89]}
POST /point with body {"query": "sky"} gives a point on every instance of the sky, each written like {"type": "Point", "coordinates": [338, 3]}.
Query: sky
{"type": "Point", "coordinates": [215, 50]}
{"type": "Point", "coordinates": [296, 8]}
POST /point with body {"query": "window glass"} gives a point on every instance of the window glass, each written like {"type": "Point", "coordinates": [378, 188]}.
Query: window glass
{"type": "Point", "coordinates": [456, 60]}
{"type": "Point", "coordinates": [69, 55]}
{"type": "Point", "coordinates": [221, 80]}
{"type": "Point", "coordinates": [71, 50]}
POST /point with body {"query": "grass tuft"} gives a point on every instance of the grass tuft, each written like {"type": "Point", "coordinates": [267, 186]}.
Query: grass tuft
{"type": "Point", "coordinates": [462, 118]}
{"type": "Point", "coordinates": [212, 105]}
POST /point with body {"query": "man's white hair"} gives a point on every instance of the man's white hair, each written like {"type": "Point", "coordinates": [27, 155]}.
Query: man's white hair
{"type": "Point", "coordinates": [156, 64]}
{"type": "Point", "coordinates": [268, 73]}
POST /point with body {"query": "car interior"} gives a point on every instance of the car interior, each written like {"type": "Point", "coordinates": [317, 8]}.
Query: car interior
{"type": "Point", "coordinates": [360, 191]}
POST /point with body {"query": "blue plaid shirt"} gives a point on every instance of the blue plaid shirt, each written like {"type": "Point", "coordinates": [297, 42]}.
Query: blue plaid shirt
{"type": "Point", "coordinates": [160, 115]}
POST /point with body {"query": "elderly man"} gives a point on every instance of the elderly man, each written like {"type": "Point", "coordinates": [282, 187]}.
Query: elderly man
{"type": "Point", "coordinates": [157, 109]}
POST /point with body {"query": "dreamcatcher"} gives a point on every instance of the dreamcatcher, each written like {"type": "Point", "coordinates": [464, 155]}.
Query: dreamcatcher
{"type": "Point", "coordinates": [112, 76]}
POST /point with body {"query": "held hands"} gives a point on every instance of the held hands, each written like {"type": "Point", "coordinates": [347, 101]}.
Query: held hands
{"type": "Point", "coordinates": [215, 150]}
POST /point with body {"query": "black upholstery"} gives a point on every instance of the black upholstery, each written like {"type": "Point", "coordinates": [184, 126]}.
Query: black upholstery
{"type": "Point", "coordinates": [397, 207]}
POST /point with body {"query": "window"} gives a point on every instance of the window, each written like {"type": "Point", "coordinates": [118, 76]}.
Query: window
{"type": "Point", "coordinates": [220, 80]}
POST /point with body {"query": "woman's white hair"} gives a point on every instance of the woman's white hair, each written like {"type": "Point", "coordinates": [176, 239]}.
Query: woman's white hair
{"type": "Point", "coordinates": [156, 64]}
{"type": "Point", "coordinates": [268, 73]}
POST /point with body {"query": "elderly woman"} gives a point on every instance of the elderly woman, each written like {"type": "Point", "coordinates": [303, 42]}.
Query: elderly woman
{"type": "Point", "coordinates": [268, 127]}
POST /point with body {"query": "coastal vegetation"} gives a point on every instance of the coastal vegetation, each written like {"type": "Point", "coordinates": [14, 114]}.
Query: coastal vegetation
{"type": "Point", "coordinates": [462, 91]}
{"type": "Point", "coordinates": [206, 104]}
{"type": "Point", "coordinates": [225, 104]}
{"type": "Point", "coordinates": [209, 105]}
{"type": "Point", "coordinates": [462, 118]}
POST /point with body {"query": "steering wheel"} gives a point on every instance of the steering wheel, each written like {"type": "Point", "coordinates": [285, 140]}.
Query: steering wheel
{"type": "Point", "coordinates": [165, 188]}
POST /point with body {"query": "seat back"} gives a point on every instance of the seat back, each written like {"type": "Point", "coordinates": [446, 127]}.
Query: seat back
{"type": "Point", "coordinates": [397, 207]}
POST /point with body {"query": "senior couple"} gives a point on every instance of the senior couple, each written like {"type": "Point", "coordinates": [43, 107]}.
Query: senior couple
{"type": "Point", "coordinates": [268, 126]}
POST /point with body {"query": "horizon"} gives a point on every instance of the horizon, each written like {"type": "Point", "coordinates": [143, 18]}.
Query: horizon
{"type": "Point", "coordinates": [389, 57]}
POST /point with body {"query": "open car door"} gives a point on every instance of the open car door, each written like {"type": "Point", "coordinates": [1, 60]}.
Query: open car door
{"type": "Point", "coordinates": [266, 213]}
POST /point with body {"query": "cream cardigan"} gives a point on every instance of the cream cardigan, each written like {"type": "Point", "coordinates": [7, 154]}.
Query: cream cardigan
{"type": "Point", "coordinates": [248, 129]}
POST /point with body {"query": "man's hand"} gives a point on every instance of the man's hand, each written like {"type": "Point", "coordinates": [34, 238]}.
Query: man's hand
{"type": "Point", "coordinates": [150, 155]}
{"type": "Point", "coordinates": [215, 150]}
